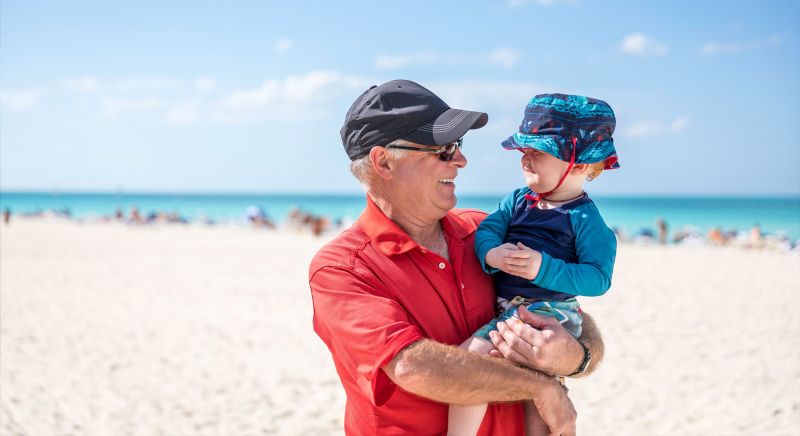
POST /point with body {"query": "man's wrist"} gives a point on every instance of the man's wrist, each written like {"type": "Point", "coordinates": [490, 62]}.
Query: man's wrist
{"type": "Point", "coordinates": [543, 394]}
{"type": "Point", "coordinates": [587, 359]}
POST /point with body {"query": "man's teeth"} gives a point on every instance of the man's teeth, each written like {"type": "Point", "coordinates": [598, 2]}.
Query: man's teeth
{"type": "Point", "coordinates": [447, 180]}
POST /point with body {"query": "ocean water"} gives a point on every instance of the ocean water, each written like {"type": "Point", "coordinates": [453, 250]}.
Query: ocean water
{"type": "Point", "coordinates": [630, 214]}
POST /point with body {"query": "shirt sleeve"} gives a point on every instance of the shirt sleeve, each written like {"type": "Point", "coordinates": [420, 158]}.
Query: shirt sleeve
{"type": "Point", "coordinates": [492, 231]}
{"type": "Point", "coordinates": [363, 327]}
{"type": "Point", "coordinates": [596, 247]}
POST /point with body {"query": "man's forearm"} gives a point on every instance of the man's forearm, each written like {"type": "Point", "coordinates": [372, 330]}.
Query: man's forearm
{"type": "Point", "coordinates": [451, 375]}
{"type": "Point", "coordinates": [593, 340]}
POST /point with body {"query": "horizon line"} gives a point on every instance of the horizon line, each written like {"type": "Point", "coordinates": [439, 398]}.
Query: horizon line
{"type": "Point", "coordinates": [354, 193]}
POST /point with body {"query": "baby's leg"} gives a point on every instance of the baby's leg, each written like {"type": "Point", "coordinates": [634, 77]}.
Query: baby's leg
{"type": "Point", "coordinates": [465, 420]}
{"type": "Point", "coordinates": [534, 424]}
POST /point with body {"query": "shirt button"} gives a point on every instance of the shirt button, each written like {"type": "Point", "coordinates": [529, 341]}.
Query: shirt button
{"type": "Point", "coordinates": [441, 265]}
{"type": "Point", "coordinates": [462, 286]}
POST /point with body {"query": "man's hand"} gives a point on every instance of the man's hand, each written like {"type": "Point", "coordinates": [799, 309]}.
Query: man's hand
{"type": "Point", "coordinates": [524, 262]}
{"type": "Point", "coordinates": [537, 342]}
{"type": "Point", "coordinates": [557, 411]}
{"type": "Point", "coordinates": [495, 257]}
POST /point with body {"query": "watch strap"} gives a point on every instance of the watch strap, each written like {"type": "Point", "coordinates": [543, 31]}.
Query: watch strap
{"type": "Point", "coordinates": [587, 358]}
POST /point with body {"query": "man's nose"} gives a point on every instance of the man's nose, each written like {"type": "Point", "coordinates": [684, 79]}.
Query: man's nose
{"type": "Point", "coordinates": [459, 159]}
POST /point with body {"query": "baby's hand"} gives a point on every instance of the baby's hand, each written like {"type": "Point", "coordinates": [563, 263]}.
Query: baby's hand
{"type": "Point", "coordinates": [496, 256]}
{"type": "Point", "coordinates": [523, 262]}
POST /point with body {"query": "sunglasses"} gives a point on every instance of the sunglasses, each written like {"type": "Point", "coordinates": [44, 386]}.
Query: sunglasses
{"type": "Point", "coordinates": [446, 152]}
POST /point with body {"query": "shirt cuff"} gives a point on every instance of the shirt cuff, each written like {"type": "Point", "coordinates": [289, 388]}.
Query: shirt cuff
{"type": "Point", "coordinates": [482, 259]}
{"type": "Point", "coordinates": [382, 387]}
{"type": "Point", "coordinates": [542, 274]}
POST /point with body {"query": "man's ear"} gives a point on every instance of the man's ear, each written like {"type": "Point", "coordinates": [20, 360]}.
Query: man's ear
{"type": "Point", "coordinates": [381, 162]}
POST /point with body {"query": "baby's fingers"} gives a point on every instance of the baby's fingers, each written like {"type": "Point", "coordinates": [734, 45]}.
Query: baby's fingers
{"type": "Point", "coordinates": [520, 254]}
{"type": "Point", "coordinates": [511, 261]}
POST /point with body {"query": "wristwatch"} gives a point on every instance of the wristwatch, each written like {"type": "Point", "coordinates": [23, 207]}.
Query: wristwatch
{"type": "Point", "coordinates": [587, 358]}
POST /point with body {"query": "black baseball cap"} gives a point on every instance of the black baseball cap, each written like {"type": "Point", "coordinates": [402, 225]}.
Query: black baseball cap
{"type": "Point", "coordinates": [402, 109]}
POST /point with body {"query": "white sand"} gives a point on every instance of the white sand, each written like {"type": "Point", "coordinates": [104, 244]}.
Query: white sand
{"type": "Point", "coordinates": [184, 330]}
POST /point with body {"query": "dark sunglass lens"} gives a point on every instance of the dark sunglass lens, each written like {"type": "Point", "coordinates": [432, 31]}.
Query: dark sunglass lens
{"type": "Point", "coordinates": [448, 153]}
{"type": "Point", "coordinates": [453, 148]}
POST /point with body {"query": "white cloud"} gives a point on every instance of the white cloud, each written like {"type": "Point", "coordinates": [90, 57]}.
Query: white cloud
{"type": "Point", "coordinates": [115, 107]}
{"type": "Point", "coordinates": [644, 129]}
{"type": "Point", "coordinates": [718, 48]}
{"type": "Point", "coordinates": [293, 89]}
{"type": "Point", "coordinates": [481, 95]}
{"type": "Point", "coordinates": [713, 48]}
{"type": "Point", "coordinates": [19, 100]}
{"type": "Point", "coordinates": [88, 83]}
{"type": "Point", "coordinates": [184, 113]}
{"type": "Point", "coordinates": [205, 83]}
{"type": "Point", "coordinates": [82, 84]}
{"type": "Point", "coordinates": [282, 45]}
{"type": "Point", "coordinates": [287, 97]}
{"type": "Point", "coordinates": [775, 40]}
{"type": "Point", "coordinates": [312, 95]}
{"type": "Point", "coordinates": [678, 125]}
{"type": "Point", "coordinates": [144, 83]}
{"type": "Point", "coordinates": [640, 45]}
{"type": "Point", "coordinates": [505, 57]}
{"type": "Point", "coordinates": [651, 128]}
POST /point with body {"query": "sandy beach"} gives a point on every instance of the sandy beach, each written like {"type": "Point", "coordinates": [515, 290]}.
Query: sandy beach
{"type": "Point", "coordinates": [108, 329]}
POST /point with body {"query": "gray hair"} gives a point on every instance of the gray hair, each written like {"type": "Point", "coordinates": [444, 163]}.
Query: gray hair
{"type": "Point", "coordinates": [362, 168]}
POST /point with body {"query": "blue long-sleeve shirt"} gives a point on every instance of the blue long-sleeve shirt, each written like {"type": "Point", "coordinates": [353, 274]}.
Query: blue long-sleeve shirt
{"type": "Point", "coordinates": [577, 247]}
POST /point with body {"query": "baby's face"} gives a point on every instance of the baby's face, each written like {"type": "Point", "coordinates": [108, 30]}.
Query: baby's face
{"type": "Point", "coordinates": [541, 170]}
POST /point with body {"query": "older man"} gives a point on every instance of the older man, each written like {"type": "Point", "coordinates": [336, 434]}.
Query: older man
{"type": "Point", "coordinates": [397, 292]}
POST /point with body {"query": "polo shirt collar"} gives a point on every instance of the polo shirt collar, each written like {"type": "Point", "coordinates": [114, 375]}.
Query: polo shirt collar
{"type": "Point", "coordinates": [390, 239]}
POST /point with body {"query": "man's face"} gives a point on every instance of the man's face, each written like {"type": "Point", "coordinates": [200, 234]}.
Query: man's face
{"type": "Point", "coordinates": [425, 185]}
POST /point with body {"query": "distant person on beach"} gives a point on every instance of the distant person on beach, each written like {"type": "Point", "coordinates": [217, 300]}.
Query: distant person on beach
{"type": "Point", "coordinates": [663, 231]}
{"type": "Point", "coordinates": [319, 225]}
{"type": "Point", "coordinates": [395, 293]}
{"type": "Point", "coordinates": [256, 216]}
{"type": "Point", "coordinates": [716, 237]}
{"type": "Point", "coordinates": [546, 243]}
{"type": "Point", "coordinates": [756, 237]}
{"type": "Point", "coordinates": [7, 216]}
{"type": "Point", "coordinates": [136, 217]}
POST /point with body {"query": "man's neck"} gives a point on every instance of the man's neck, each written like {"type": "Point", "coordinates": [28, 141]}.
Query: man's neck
{"type": "Point", "coordinates": [427, 232]}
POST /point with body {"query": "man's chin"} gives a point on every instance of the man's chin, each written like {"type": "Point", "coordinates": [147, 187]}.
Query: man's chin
{"type": "Point", "coordinates": [447, 204]}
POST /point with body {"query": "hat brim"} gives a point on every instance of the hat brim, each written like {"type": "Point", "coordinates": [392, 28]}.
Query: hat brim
{"type": "Point", "coordinates": [602, 151]}
{"type": "Point", "coordinates": [449, 126]}
{"type": "Point", "coordinates": [549, 144]}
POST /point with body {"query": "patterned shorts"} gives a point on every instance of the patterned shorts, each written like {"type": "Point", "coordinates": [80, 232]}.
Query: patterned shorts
{"type": "Point", "coordinates": [566, 312]}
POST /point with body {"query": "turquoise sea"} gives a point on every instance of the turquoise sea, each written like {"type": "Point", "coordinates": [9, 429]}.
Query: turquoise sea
{"type": "Point", "coordinates": [631, 214]}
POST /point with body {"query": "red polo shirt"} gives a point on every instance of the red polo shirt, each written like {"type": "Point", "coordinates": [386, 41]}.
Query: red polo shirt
{"type": "Point", "coordinates": [375, 292]}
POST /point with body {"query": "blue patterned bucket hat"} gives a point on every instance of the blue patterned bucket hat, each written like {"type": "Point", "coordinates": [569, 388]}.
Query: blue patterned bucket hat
{"type": "Point", "coordinates": [554, 122]}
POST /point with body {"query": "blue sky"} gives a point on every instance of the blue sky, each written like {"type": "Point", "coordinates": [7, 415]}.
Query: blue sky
{"type": "Point", "coordinates": [249, 96]}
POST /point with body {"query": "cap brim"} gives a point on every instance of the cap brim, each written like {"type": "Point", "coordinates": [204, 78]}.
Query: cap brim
{"type": "Point", "coordinates": [449, 126]}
